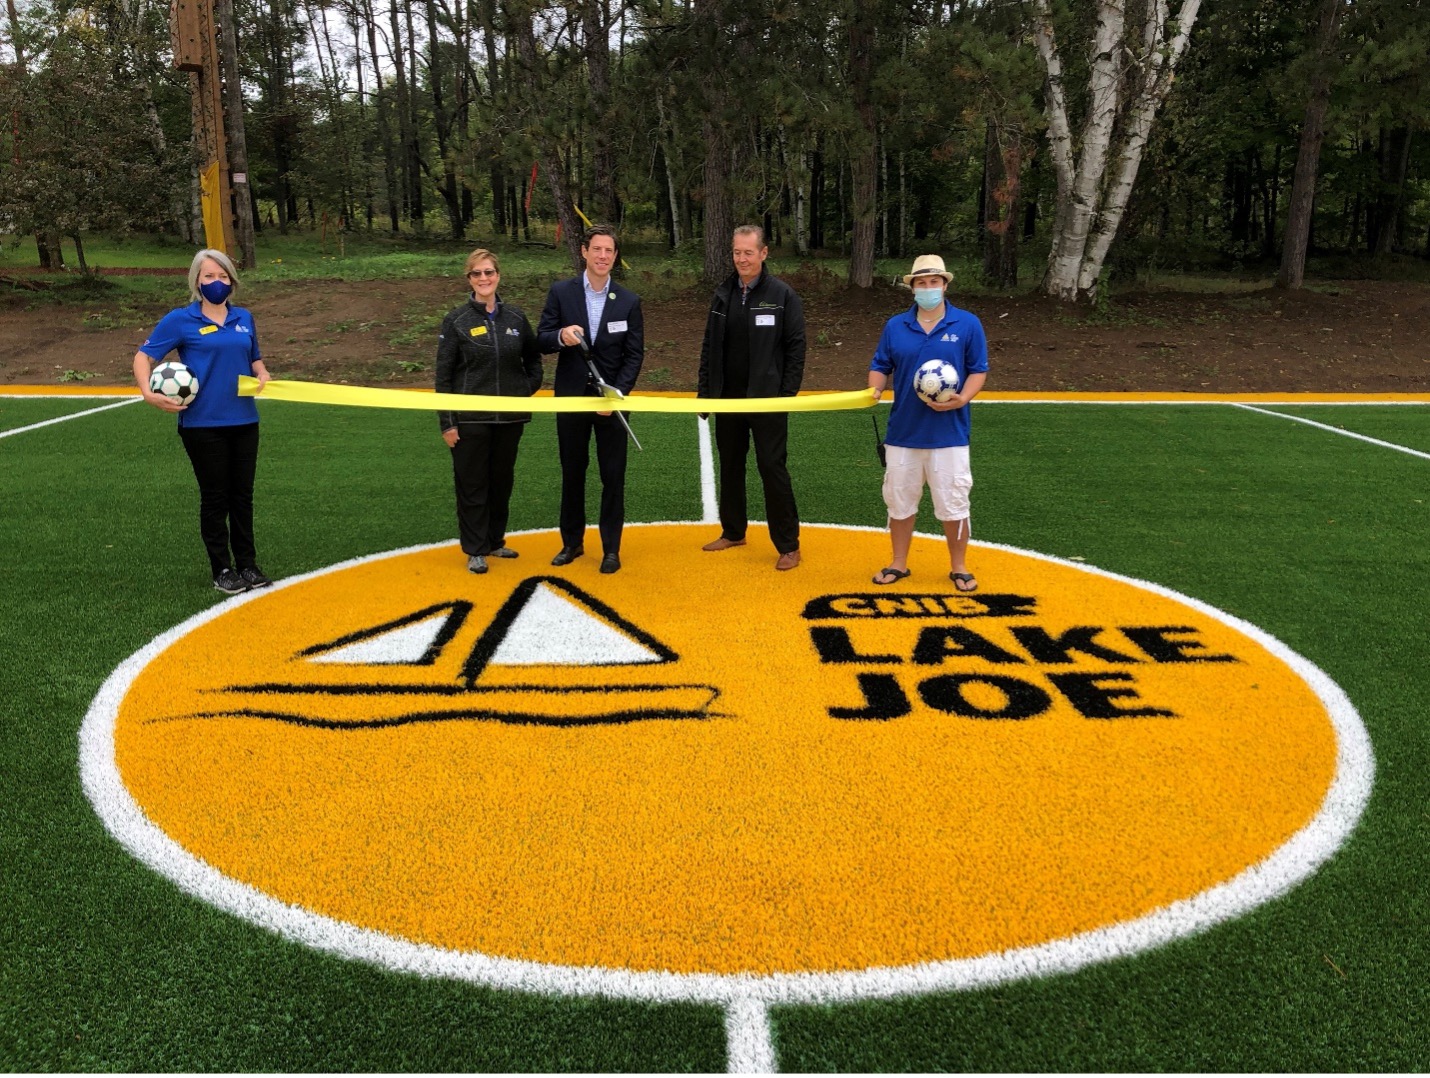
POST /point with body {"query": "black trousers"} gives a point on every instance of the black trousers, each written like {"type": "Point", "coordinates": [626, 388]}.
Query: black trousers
{"type": "Point", "coordinates": [225, 460]}
{"type": "Point", "coordinates": [484, 471]}
{"type": "Point", "coordinates": [732, 441]}
{"type": "Point", "coordinates": [573, 439]}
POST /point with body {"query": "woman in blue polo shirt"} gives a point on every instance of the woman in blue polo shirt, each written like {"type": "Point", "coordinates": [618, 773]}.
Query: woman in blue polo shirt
{"type": "Point", "coordinates": [219, 429]}
{"type": "Point", "coordinates": [928, 443]}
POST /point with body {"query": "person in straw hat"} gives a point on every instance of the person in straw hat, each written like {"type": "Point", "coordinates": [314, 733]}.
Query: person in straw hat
{"type": "Point", "coordinates": [927, 441]}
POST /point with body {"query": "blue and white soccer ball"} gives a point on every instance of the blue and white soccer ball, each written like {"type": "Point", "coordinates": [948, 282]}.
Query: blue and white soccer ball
{"type": "Point", "coordinates": [175, 381]}
{"type": "Point", "coordinates": [936, 381]}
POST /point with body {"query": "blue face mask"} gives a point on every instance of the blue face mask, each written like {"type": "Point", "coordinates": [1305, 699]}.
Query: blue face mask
{"type": "Point", "coordinates": [216, 291]}
{"type": "Point", "coordinates": [928, 298]}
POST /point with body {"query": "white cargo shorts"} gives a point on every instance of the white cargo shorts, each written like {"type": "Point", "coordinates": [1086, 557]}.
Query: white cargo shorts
{"type": "Point", "coordinates": [946, 471]}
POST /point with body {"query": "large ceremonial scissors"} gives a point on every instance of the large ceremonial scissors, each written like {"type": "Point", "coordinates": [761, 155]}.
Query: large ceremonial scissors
{"type": "Point", "coordinates": [608, 391]}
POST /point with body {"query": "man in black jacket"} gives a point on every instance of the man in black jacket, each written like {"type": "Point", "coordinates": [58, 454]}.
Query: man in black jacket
{"type": "Point", "coordinates": [754, 347]}
{"type": "Point", "coordinates": [608, 316]}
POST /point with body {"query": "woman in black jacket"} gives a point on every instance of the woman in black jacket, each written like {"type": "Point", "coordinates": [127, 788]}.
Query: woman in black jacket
{"type": "Point", "coordinates": [485, 347]}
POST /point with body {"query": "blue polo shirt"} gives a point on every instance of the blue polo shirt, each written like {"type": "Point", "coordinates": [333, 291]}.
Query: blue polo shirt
{"type": "Point", "coordinates": [217, 355]}
{"type": "Point", "coordinates": [903, 348]}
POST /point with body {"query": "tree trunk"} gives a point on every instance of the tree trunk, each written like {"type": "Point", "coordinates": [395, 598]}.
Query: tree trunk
{"type": "Point", "coordinates": [816, 196]}
{"type": "Point", "coordinates": [1308, 157]}
{"type": "Point", "coordinates": [1090, 208]}
{"type": "Point", "coordinates": [442, 121]}
{"type": "Point", "coordinates": [863, 161]}
{"type": "Point", "coordinates": [1003, 166]}
{"type": "Point", "coordinates": [237, 140]}
{"type": "Point", "coordinates": [1104, 96]}
{"type": "Point", "coordinates": [519, 22]}
{"type": "Point", "coordinates": [595, 31]}
{"type": "Point", "coordinates": [369, 210]}
{"type": "Point", "coordinates": [384, 125]}
{"type": "Point", "coordinates": [1398, 161]}
{"type": "Point", "coordinates": [719, 215]}
{"type": "Point", "coordinates": [416, 164]}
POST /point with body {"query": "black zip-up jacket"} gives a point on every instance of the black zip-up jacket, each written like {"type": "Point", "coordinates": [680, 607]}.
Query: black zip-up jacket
{"type": "Point", "coordinates": [776, 327]}
{"type": "Point", "coordinates": [494, 356]}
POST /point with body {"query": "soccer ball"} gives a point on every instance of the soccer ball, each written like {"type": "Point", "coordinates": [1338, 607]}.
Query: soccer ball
{"type": "Point", "coordinates": [936, 381]}
{"type": "Point", "coordinates": [174, 381]}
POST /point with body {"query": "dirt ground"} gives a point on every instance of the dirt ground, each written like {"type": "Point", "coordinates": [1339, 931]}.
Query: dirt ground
{"type": "Point", "coordinates": [1351, 336]}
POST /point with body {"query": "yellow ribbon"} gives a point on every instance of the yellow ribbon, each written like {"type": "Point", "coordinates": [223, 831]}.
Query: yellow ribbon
{"type": "Point", "coordinates": [367, 397]}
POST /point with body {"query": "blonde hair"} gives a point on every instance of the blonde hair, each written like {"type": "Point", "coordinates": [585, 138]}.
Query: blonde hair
{"type": "Point", "coordinates": [225, 263]}
{"type": "Point", "coordinates": [481, 254]}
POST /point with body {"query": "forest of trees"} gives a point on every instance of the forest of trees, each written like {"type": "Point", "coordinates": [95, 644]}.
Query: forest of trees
{"type": "Point", "coordinates": [1106, 134]}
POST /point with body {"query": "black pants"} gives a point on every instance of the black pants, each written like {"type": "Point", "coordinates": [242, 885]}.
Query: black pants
{"type": "Point", "coordinates": [573, 438]}
{"type": "Point", "coordinates": [225, 460]}
{"type": "Point", "coordinates": [484, 470]}
{"type": "Point", "coordinates": [732, 440]}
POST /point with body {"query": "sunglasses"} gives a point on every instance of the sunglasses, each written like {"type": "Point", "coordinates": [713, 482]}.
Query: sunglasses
{"type": "Point", "coordinates": [483, 273]}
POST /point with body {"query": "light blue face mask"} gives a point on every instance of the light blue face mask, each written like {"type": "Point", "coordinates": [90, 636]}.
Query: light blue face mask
{"type": "Point", "coordinates": [928, 298]}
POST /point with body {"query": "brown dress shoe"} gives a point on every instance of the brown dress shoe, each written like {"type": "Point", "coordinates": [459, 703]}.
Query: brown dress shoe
{"type": "Point", "coordinates": [788, 560]}
{"type": "Point", "coordinates": [723, 544]}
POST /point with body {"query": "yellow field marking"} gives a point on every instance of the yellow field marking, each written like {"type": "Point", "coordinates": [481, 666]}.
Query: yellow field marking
{"type": "Point", "coordinates": [769, 772]}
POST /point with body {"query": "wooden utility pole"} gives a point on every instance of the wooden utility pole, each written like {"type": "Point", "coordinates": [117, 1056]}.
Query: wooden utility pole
{"type": "Point", "coordinates": [195, 41]}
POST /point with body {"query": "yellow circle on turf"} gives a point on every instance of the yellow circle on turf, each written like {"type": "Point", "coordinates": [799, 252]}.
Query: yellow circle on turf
{"type": "Point", "coordinates": [702, 765]}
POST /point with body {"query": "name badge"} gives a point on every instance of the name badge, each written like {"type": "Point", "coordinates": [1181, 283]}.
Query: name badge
{"type": "Point", "coordinates": [478, 331]}
{"type": "Point", "coordinates": [203, 330]}
{"type": "Point", "coordinates": [764, 319]}
{"type": "Point", "coordinates": [616, 327]}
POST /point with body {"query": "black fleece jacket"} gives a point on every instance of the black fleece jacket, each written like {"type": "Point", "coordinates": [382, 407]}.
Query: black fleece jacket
{"type": "Point", "coordinates": [774, 320]}
{"type": "Point", "coordinates": [493, 356]}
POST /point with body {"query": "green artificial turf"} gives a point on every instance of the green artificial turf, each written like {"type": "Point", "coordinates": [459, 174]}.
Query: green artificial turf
{"type": "Point", "coordinates": [1402, 425]}
{"type": "Point", "coordinates": [1319, 540]}
{"type": "Point", "coordinates": [16, 412]}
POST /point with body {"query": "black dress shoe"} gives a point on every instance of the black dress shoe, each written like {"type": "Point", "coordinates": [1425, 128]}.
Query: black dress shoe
{"type": "Point", "coordinates": [611, 563]}
{"type": "Point", "coordinates": [568, 555]}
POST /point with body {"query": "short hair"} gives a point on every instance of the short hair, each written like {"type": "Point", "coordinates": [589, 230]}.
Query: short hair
{"type": "Point", "coordinates": [225, 263]}
{"type": "Point", "coordinates": [750, 230]}
{"type": "Point", "coordinates": [601, 230]}
{"type": "Point", "coordinates": [481, 254]}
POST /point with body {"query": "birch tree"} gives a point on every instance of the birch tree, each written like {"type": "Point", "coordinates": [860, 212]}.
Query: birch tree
{"type": "Point", "coordinates": [1129, 78]}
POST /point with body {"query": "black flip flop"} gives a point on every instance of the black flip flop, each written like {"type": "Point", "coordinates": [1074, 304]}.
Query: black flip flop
{"type": "Point", "coordinates": [898, 574]}
{"type": "Point", "coordinates": [958, 579]}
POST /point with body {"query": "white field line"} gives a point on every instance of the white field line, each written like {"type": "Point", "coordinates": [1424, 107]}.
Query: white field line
{"type": "Point", "coordinates": [749, 1045]}
{"type": "Point", "coordinates": [709, 510]}
{"type": "Point", "coordinates": [69, 396]}
{"type": "Point", "coordinates": [66, 418]}
{"type": "Point", "coordinates": [1337, 430]}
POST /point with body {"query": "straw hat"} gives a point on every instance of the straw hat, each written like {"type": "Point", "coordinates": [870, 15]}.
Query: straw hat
{"type": "Point", "coordinates": [928, 266]}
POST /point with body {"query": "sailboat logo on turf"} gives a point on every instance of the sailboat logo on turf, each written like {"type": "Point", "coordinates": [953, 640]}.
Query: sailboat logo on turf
{"type": "Point", "coordinates": [548, 626]}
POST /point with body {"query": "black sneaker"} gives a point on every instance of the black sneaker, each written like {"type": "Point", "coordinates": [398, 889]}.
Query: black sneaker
{"type": "Point", "coordinates": [254, 578]}
{"type": "Point", "coordinates": [230, 583]}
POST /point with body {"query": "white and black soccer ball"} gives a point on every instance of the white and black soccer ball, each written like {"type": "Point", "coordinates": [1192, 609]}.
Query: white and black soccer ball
{"type": "Point", "coordinates": [936, 381]}
{"type": "Point", "coordinates": [175, 381]}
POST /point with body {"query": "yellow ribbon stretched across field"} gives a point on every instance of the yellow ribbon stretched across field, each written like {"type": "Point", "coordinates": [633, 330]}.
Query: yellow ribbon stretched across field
{"type": "Point", "coordinates": [366, 397]}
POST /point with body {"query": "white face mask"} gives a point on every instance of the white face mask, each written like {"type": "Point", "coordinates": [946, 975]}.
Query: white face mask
{"type": "Point", "coordinates": [928, 298]}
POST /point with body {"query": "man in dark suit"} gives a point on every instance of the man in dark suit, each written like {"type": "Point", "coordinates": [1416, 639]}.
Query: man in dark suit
{"type": "Point", "coordinates": [608, 316]}
{"type": "Point", "coordinates": [754, 347]}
